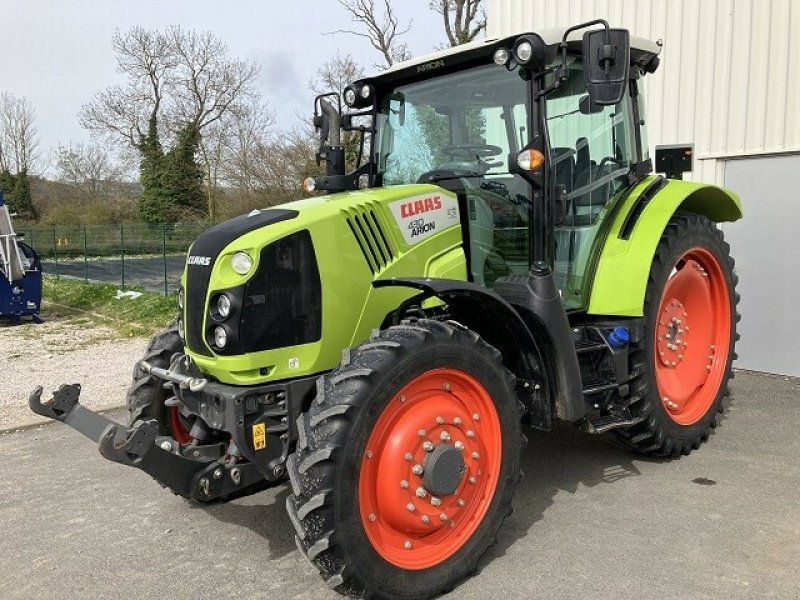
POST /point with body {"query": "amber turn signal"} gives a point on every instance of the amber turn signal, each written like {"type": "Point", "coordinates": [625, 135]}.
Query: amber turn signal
{"type": "Point", "coordinates": [530, 160]}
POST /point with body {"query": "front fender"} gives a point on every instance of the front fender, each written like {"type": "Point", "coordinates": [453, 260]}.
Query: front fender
{"type": "Point", "coordinates": [620, 279]}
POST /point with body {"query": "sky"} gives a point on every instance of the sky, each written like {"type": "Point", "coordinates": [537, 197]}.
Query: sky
{"type": "Point", "coordinates": [58, 53]}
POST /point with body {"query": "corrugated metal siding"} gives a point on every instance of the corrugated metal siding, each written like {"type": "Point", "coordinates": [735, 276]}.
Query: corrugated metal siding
{"type": "Point", "coordinates": [729, 80]}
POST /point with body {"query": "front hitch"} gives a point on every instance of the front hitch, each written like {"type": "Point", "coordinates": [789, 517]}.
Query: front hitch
{"type": "Point", "coordinates": [202, 475]}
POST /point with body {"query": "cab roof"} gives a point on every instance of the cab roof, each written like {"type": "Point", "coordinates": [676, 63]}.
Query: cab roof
{"type": "Point", "coordinates": [642, 51]}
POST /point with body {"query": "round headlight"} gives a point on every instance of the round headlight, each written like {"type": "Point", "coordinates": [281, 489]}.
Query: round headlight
{"type": "Point", "coordinates": [366, 92]}
{"type": "Point", "coordinates": [224, 306]}
{"type": "Point", "coordinates": [310, 184]}
{"type": "Point", "coordinates": [242, 263]}
{"type": "Point", "coordinates": [524, 52]}
{"type": "Point", "coordinates": [180, 299]}
{"type": "Point", "coordinates": [220, 337]}
{"type": "Point", "coordinates": [181, 331]}
{"type": "Point", "coordinates": [349, 96]}
{"type": "Point", "coordinates": [501, 56]}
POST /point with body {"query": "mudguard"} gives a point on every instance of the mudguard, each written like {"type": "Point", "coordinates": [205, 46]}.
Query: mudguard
{"type": "Point", "coordinates": [620, 278]}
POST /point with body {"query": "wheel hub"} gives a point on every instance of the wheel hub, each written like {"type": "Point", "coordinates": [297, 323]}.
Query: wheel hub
{"type": "Point", "coordinates": [443, 470]}
{"type": "Point", "coordinates": [673, 331]}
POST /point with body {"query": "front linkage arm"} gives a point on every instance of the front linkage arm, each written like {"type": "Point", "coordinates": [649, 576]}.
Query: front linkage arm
{"type": "Point", "coordinates": [201, 476]}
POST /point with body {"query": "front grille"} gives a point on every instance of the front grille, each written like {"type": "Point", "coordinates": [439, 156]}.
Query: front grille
{"type": "Point", "coordinates": [198, 274]}
{"type": "Point", "coordinates": [282, 303]}
{"type": "Point", "coordinates": [371, 239]}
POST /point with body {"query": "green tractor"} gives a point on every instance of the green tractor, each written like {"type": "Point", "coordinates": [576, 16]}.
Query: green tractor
{"type": "Point", "coordinates": [500, 257]}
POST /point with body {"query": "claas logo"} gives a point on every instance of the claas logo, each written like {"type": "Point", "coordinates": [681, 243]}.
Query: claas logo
{"type": "Point", "coordinates": [418, 207]}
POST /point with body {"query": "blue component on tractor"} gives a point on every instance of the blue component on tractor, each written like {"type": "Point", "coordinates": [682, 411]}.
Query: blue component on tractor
{"type": "Point", "coordinates": [619, 337]}
{"type": "Point", "coordinates": [20, 273]}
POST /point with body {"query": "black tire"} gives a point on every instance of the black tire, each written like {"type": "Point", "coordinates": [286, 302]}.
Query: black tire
{"type": "Point", "coordinates": [658, 434]}
{"type": "Point", "coordinates": [146, 395]}
{"type": "Point", "coordinates": [324, 470]}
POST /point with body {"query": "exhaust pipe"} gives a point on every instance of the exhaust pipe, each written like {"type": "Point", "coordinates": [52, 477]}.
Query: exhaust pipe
{"type": "Point", "coordinates": [331, 132]}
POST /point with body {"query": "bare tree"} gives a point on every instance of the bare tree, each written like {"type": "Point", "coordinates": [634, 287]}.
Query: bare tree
{"type": "Point", "coordinates": [464, 20]}
{"type": "Point", "coordinates": [19, 138]}
{"type": "Point", "coordinates": [383, 29]}
{"type": "Point", "coordinates": [336, 74]}
{"type": "Point", "coordinates": [90, 168]}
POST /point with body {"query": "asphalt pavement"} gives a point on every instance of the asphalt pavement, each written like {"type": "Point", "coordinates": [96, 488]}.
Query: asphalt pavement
{"type": "Point", "coordinates": [592, 521]}
{"type": "Point", "coordinates": [147, 272]}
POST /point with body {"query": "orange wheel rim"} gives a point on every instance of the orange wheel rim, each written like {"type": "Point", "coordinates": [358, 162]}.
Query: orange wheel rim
{"type": "Point", "coordinates": [693, 336]}
{"type": "Point", "coordinates": [412, 457]}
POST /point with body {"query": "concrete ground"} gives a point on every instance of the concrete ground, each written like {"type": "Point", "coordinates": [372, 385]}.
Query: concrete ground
{"type": "Point", "coordinates": [591, 521]}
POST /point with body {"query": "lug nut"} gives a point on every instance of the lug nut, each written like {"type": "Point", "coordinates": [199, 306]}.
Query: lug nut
{"type": "Point", "coordinates": [218, 474]}
{"type": "Point", "coordinates": [476, 417]}
{"type": "Point", "coordinates": [369, 453]}
{"type": "Point", "coordinates": [421, 493]}
{"type": "Point", "coordinates": [435, 501]}
{"type": "Point", "coordinates": [404, 484]}
{"type": "Point", "coordinates": [459, 446]}
{"type": "Point", "coordinates": [457, 421]}
{"type": "Point", "coordinates": [426, 519]}
{"type": "Point", "coordinates": [443, 517]}
{"type": "Point", "coordinates": [422, 433]}
{"type": "Point", "coordinates": [475, 455]}
{"type": "Point", "coordinates": [461, 502]}
{"type": "Point", "coordinates": [446, 387]}
{"type": "Point", "coordinates": [417, 470]}
{"type": "Point", "coordinates": [427, 446]}
{"type": "Point", "coordinates": [402, 398]}
{"type": "Point", "coordinates": [470, 433]}
{"type": "Point", "coordinates": [409, 456]}
{"type": "Point", "coordinates": [440, 420]}
{"type": "Point", "coordinates": [410, 507]}
{"type": "Point", "coordinates": [372, 518]}
{"type": "Point", "coordinates": [473, 481]}
{"type": "Point", "coordinates": [408, 545]}
{"type": "Point", "coordinates": [165, 445]}
{"type": "Point", "coordinates": [444, 436]}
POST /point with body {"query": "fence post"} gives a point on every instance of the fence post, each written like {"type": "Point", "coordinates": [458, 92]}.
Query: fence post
{"type": "Point", "coordinates": [164, 255]}
{"type": "Point", "coordinates": [85, 259]}
{"type": "Point", "coordinates": [122, 251]}
{"type": "Point", "coordinates": [55, 250]}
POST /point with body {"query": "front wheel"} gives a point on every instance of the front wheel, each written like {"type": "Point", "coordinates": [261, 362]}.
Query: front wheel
{"type": "Point", "coordinates": [406, 462]}
{"type": "Point", "coordinates": [684, 360]}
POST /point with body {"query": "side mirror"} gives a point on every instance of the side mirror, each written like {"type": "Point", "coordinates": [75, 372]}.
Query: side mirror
{"type": "Point", "coordinates": [607, 63]}
{"type": "Point", "coordinates": [587, 106]}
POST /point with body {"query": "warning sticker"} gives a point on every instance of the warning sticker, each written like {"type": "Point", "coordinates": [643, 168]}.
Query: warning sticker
{"type": "Point", "coordinates": [259, 436]}
{"type": "Point", "coordinates": [420, 217]}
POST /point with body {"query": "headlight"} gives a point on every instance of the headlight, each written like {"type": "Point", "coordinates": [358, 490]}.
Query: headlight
{"type": "Point", "coordinates": [242, 263]}
{"type": "Point", "coordinates": [224, 306]}
{"type": "Point", "coordinates": [524, 52]}
{"type": "Point", "coordinates": [220, 337]}
{"type": "Point", "coordinates": [501, 56]}
{"type": "Point", "coordinates": [366, 92]}
{"type": "Point", "coordinates": [180, 299]}
{"type": "Point", "coordinates": [181, 332]}
{"type": "Point", "coordinates": [349, 96]}
{"type": "Point", "coordinates": [310, 184]}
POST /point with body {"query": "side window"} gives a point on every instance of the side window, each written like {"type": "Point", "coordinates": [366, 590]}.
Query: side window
{"type": "Point", "coordinates": [593, 151]}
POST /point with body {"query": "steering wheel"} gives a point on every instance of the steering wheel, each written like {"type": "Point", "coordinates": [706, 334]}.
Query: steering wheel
{"type": "Point", "coordinates": [471, 151]}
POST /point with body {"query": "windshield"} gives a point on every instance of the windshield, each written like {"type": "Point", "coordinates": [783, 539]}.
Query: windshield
{"type": "Point", "coordinates": [464, 124]}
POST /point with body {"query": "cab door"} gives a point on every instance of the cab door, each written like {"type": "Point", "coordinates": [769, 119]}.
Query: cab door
{"type": "Point", "coordinates": [593, 152]}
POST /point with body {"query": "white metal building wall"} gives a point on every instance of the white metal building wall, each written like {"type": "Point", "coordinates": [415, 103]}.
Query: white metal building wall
{"type": "Point", "coordinates": [729, 80]}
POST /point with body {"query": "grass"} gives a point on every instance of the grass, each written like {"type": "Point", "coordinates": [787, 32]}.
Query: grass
{"type": "Point", "coordinates": [95, 304]}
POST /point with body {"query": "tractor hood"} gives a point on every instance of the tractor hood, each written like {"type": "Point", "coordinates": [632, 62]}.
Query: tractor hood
{"type": "Point", "coordinates": [309, 286]}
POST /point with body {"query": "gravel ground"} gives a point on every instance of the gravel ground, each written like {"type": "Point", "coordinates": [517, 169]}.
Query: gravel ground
{"type": "Point", "coordinates": [63, 351]}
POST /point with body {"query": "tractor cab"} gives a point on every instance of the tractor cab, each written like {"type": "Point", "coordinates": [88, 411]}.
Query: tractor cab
{"type": "Point", "coordinates": [462, 124]}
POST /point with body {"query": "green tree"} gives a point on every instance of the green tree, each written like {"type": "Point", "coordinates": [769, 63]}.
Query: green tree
{"type": "Point", "coordinates": [23, 203]}
{"type": "Point", "coordinates": [183, 176]}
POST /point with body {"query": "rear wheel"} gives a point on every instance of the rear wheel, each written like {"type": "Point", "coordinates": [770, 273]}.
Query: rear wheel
{"type": "Point", "coordinates": [406, 462]}
{"type": "Point", "coordinates": [684, 360]}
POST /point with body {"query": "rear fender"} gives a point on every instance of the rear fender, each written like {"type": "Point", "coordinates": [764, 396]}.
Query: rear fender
{"type": "Point", "coordinates": [620, 279]}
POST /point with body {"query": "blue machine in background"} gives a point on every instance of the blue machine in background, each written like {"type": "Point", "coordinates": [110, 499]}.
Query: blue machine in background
{"type": "Point", "coordinates": [20, 273]}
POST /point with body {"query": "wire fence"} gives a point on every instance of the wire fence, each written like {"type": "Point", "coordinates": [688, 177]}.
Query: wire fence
{"type": "Point", "coordinates": [137, 255]}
